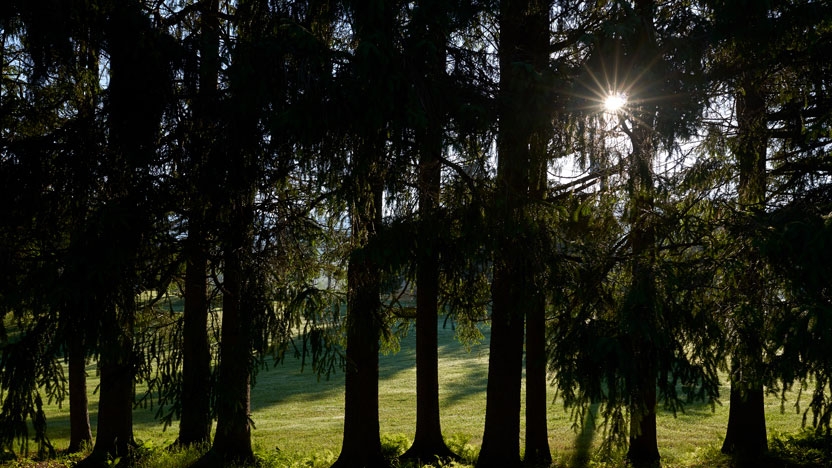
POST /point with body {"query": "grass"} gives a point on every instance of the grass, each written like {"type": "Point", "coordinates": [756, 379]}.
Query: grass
{"type": "Point", "coordinates": [299, 418]}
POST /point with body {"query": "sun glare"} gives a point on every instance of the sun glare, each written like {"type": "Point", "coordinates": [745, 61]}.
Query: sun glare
{"type": "Point", "coordinates": [614, 102]}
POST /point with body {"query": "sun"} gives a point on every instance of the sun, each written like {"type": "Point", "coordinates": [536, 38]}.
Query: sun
{"type": "Point", "coordinates": [614, 102]}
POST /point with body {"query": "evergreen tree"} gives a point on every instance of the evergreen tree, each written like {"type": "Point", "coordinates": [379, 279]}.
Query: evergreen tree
{"type": "Point", "coordinates": [372, 81]}
{"type": "Point", "coordinates": [195, 418]}
{"type": "Point", "coordinates": [523, 50]}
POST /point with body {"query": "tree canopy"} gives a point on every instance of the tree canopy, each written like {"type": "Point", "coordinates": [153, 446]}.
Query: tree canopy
{"type": "Point", "coordinates": [307, 178]}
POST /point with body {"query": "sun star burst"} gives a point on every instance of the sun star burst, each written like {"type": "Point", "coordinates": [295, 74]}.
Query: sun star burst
{"type": "Point", "coordinates": [614, 102]}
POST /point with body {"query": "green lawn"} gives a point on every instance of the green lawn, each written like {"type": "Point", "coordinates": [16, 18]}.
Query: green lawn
{"type": "Point", "coordinates": [303, 416]}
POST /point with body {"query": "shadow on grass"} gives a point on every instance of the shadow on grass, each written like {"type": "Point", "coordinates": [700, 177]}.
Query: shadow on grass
{"type": "Point", "coordinates": [280, 382]}
{"type": "Point", "coordinates": [584, 440]}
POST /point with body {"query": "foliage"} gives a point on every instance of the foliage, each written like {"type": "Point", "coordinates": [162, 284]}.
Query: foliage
{"type": "Point", "coordinates": [289, 136]}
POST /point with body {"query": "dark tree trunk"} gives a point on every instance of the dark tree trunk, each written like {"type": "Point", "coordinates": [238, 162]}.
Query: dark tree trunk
{"type": "Point", "coordinates": [640, 308]}
{"type": "Point", "coordinates": [195, 422]}
{"type": "Point", "coordinates": [429, 54]}
{"type": "Point", "coordinates": [428, 443]}
{"type": "Point", "coordinates": [232, 441]}
{"type": "Point", "coordinates": [643, 450]}
{"type": "Point", "coordinates": [114, 433]}
{"type": "Point", "coordinates": [745, 435]}
{"type": "Point", "coordinates": [373, 22]}
{"type": "Point", "coordinates": [537, 451]}
{"type": "Point", "coordinates": [362, 443]}
{"type": "Point", "coordinates": [80, 433]}
{"type": "Point", "coordinates": [501, 437]}
{"type": "Point", "coordinates": [79, 416]}
{"type": "Point", "coordinates": [523, 28]}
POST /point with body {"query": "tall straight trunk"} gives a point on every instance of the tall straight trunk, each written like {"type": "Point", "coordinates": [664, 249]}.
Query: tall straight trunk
{"type": "Point", "coordinates": [361, 445]}
{"type": "Point", "coordinates": [79, 415]}
{"type": "Point", "coordinates": [522, 23]}
{"type": "Point", "coordinates": [114, 433]}
{"type": "Point", "coordinates": [80, 432]}
{"type": "Point", "coordinates": [428, 443]}
{"type": "Point", "coordinates": [537, 452]}
{"type": "Point", "coordinates": [374, 57]}
{"type": "Point", "coordinates": [745, 435]}
{"type": "Point", "coordinates": [195, 422]}
{"type": "Point", "coordinates": [232, 441]}
{"type": "Point", "coordinates": [640, 308]}
{"type": "Point", "coordinates": [501, 436]}
{"type": "Point", "coordinates": [429, 53]}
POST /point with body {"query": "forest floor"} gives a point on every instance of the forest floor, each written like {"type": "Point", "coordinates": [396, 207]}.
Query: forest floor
{"type": "Point", "coordinates": [298, 419]}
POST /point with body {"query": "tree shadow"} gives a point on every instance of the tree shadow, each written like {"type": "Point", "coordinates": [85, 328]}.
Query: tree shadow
{"type": "Point", "coordinates": [584, 439]}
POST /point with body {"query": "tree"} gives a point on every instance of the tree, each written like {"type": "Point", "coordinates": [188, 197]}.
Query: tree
{"type": "Point", "coordinates": [372, 73]}
{"type": "Point", "coordinates": [427, 49]}
{"type": "Point", "coordinates": [746, 432]}
{"type": "Point", "coordinates": [523, 47]}
{"type": "Point", "coordinates": [640, 305]}
{"type": "Point", "coordinates": [195, 419]}
{"type": "Point", "coordinates": [123, 229]}
{"type": "Point", "coordinates": [763, 64]}
{"type": "Point", "coordinates": [623, 297]}
{"type": "Point", "coordinates": [52, 77]}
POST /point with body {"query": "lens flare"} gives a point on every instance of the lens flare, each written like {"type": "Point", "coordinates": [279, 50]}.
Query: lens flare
{"type": "Point", "coordinates": [614, 102]}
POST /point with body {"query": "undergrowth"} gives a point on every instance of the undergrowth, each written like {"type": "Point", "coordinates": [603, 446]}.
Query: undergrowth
{"type": "Point", "coordinates": [805, 449]}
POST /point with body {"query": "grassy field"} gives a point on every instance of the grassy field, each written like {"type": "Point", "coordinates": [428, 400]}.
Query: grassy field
{"type": "Point", "coordinates": [299, 418]}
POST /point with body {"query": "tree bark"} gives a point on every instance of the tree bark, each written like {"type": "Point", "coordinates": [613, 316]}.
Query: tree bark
{"type": "Point", "coordinates": [80, 429]}
{"type": "Point", "coordinates": [195, 419]}
{"type": "Point", "coordinates": [429, 54]}
{"type": "Point", "coordinates": [80, 433]}
{"type": "Point", "coordinates": [428, 443]}
{"type": "Point", "coordinates": [114, 433]}
{"type": "Point", "coordinates": [537, 451]}
{"type": "Point", "coordinates": [745, 435]}
{"type": "Point", "coordinates": [522, 24]}
{"type": "Point", "coordinates": [195, 422]}
{"type": "Point", "coordinates": [361, 445]}
{"type": "Point", "coordinates": [640, 307]}
{"type": "Point", "coordinates": [232, 442]}
{"type": "Point", "coordinates": [373, 22]}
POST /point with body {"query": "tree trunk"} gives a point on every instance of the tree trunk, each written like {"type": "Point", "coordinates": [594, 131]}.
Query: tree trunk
{"type": "Point", "coordinates": [114, 434]}
{"type": "Point", "coordinates": [641, 318]}
{"type": "Point", "coordinates": [524, 27]}
{"type": "Point", "coordinates": [195, 422]}
{"type": "Point", "coordinates": [640, 306]}
{"type": "Point", "coordinates": [537, 451]}
{"type": "Point", "coordinates": [80, 433]}
{"type": "Point", "coordinates": [745, 436]}
{"type": "Point", "coordinates": [362, 443]}
{"type": "Point", "coordinates": [746, 432]}
{"type": "Point", "coordinates": [232, 442]}
{"type": "Point", "coordinates": [428, 53]}
{"type": "Point", "coordinates": [80, 430]}
{"type": "Point", "coordinates": [428, 443]}
{"type": "Point", "coordinates": [501, 437]}
{"type": "Point", "coordinates": [643, 450]}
